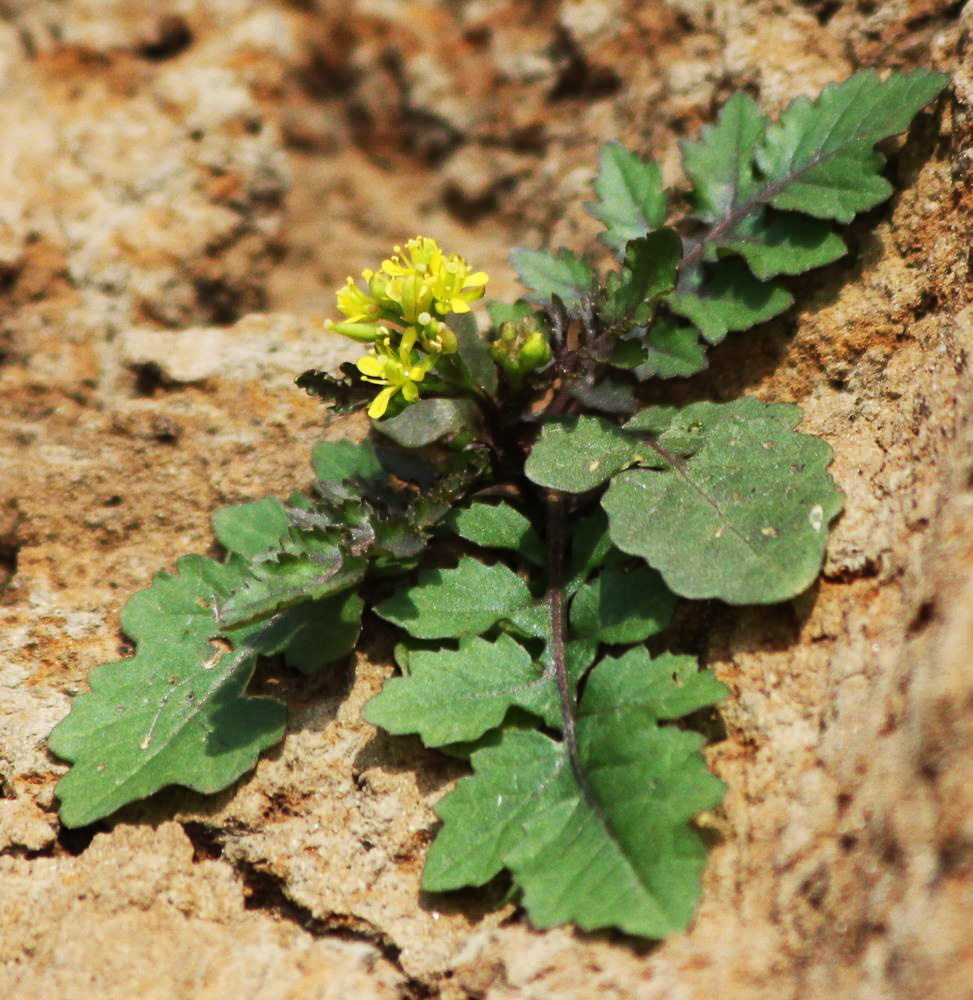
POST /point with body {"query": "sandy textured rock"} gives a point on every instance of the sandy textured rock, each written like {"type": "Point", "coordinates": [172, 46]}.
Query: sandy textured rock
{"type": "Point", "coordinates": [138, 916]}
{"type": "Point", "coordinates": [180, 192]}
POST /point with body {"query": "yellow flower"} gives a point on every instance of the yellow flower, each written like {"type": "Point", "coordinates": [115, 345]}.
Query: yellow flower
{"type": "Point", "coordinates": [411, 290]}
{"type": "Point", "coordinates": [399, 372]}
{"type": "Point", "coordinates": [356, 304]}
{"type": "Point", "coordinates": [428, 279]}
{"type": "Point", "coordinates": [455, 287]}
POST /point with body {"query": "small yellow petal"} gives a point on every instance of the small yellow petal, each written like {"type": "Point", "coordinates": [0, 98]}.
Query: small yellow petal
{"type": "Point", "coordinates": [381, 403]}
{"type": "Point", "coordinates": [479, 278]}
{"type": "Point", "coordinates": [369, 365]}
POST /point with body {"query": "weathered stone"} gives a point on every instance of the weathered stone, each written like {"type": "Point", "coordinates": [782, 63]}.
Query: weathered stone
{"type": "Point", "coordinates": [159, 180]}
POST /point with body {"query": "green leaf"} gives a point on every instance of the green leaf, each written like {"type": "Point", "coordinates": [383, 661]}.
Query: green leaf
{"type": "Point", "coordinates": [650, 269]}
{"type": "Point", "coordinates": [448, 603]}
{"type": "Point", "coordinates": [346, 393]}
{"type": "Point", "coordinates": [787, 243]}
{"type": "Point", "coordinates": [667, 687]}
{"type": "Point", "coordinates": [474, 351]}
{"type": "Point", "coordinates": [613, 851]}
{"type": "Point", "coordinates": [591, 547]}
{"type": "Point", "coordinates": [175, 713]}
{"type": "Point", "coordinates": [727, 297]}
{"type": "Point", "coordinates": [452, 696]}
{"type": "Point", "coordinates": [346, 461]}
{"type": "Point", "coordinates": [567, 276]}
{"type": "Point", "coordinates": [819, 159]}
{"type": "Point", "coordinates": [502, 312]}
{"type": "Point", "coordinates": [251, 528]}
{"type": "Point", "coordinates": [497, 526]}
{"type": "Point", "coordinates": [631, 201]}
{"type": "Point", "coordinates": [622, 605]}
{"type": "Point", "coordinates": [743, 518]}
{"type": "Point", "coordinates": [672, 350]}
{"type": "Point", "coordinates": [576, 454]}
{"type": "Point", "coordinates": [429, 420]}
{"type": "Point", "coordinates": [309, 565]}
{"type": "Point", "coordinates": [720, 164]}
{"type": "Point", "coordinates": [310, 635]}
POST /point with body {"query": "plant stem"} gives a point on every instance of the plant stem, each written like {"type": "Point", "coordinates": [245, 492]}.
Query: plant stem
{"type": "Point", "coordinates": [555, 592]}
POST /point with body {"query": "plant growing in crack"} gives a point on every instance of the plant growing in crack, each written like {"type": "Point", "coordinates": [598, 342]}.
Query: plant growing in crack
{"type": "Point", "coordinates": [573, 515]}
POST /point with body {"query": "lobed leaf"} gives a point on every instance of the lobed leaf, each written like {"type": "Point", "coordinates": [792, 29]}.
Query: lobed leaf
{"type": "Point", "coordinates": [751, 178]}
{"type": "Point", "coordinates": [503, 312]}
{"type": "Point", "coordinates": [720, 164]}
{"type": "Point", "coordinates": [727, 297]}
{"type": "Point", "coordinates": [176, 712]}
{"type": "Point", "coordinates": [819, 158]}
{"type": "Point", "coordinates": [631, 200]}
{"type": "Point", "coordinates": [622, 605]}
{"type": "Point", "coordinates": [311, 634]}
{"type": "Point", "coordinates": [626, 856]}
{"type": "Point", "coordinates": [566, 276]}
{"type": "Point", "coordinates": [672, 349]}
{"type": "Point", "coordinates": [251, 528]}
{"type": "Point", "coordinates": [451, 696]}
{"type": "Point", "coordinates": [448, 603]}
{"type": "Point", "coordinates": [650, 269]}
{"type": "Point", "coordinates": [743, 517]}
{"type": "Point", "coordinates": [346, 461]}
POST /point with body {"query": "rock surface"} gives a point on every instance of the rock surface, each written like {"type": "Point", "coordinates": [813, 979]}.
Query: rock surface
{"type": "Point", "coordinates": [179, 196]}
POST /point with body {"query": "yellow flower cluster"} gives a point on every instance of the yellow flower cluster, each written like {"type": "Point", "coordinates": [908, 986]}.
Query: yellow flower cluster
{"type": "Point", "coordinates": [411, 290]}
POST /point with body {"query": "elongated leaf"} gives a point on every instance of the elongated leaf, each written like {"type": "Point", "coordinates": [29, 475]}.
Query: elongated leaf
{"type": "Point", "coordinates": [448, 603]}
{"type": "Point", "coordinates": [631, 200]}
{"type": "Point", "coordinates": [567, 276]}
{"type": "Point", "coordinates": [474, 351]}
{"type": "Point", "coordinates": [455, 695]}
{"type": "Point", "coordinates": [498, 526]}
{"type": "Point", "coordinates": [345, 393]}
{"type": "Point", "coordinates": [819, 160]}
{"type": "Point", "coordinates": [309, 565]}
{"type": "Point", "coordinates": [745, 515]}
{"type": "Point", "coordinates": [625, 854]}
{"type": "Point", "coordinates": [176, 712]}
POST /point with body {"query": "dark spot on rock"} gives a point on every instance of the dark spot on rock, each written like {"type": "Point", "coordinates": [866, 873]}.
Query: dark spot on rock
{"type": "Point", "coordinates": [170, 37]}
